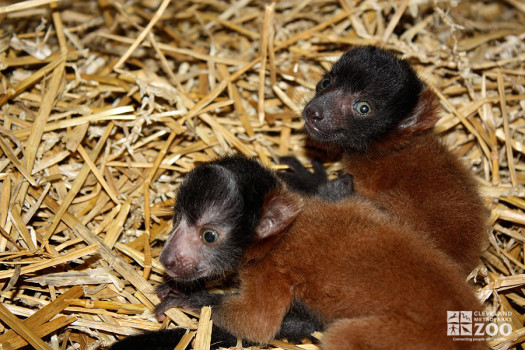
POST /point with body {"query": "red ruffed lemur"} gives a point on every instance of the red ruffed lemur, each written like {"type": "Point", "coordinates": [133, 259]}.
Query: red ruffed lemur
{"type": "Point", "coordinates": [365, 266]}
{"type": "Point", "coordinates": [374, 109]}
{"type": "Point", "coordinates": [373, 282]}
{"type": "Point", "coordinates": [225, 196]}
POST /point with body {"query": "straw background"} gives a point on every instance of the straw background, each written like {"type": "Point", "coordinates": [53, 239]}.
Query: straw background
{"type": "Point", "coordinates": [105, 105]}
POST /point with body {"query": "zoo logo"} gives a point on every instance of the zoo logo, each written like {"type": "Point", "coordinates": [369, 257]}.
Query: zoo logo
{"type": "Point", "coordinates": [461, 324]}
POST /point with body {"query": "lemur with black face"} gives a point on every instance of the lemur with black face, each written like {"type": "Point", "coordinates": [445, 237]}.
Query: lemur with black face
{"type": "Point", "coordinates": [373, 107]}
{"type": "Point", "coordinates": [373, 282]}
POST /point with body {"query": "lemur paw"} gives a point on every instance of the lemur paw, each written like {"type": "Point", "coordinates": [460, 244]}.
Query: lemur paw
{"type": "Point", "coordinates": [190, 302]}
{"type": "Point", "coordinates": [299, 178]}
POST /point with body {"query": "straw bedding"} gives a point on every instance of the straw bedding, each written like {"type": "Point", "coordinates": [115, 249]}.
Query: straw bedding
{"type": "Point", "coordinates": [105, 105]}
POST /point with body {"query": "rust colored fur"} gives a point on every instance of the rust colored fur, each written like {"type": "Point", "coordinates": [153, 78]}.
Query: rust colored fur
{"type": "Point", "coordinates": [425, 185]}
{"type": "Point", "coordinates": [371, 281]}
{"type": "Point", "coordinates": [395, 159]}
{"type": "Point", "coordinates": [375, 283]}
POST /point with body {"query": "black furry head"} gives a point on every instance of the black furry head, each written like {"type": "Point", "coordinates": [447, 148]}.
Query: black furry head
{"type": "Point", "coordinates": [218, 207]}
{"type": "Point", "coordinates": [234, 186]}
{"type": "Point", "coordinates": [368, 93]}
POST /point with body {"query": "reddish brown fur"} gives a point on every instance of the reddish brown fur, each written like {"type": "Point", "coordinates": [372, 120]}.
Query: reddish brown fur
{"type": "Point", "coordinates": [413, 176]}
{"type": "Point", "coordinates": [375, 283]}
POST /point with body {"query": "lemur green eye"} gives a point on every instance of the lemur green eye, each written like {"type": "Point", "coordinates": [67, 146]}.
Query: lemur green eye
{"type": "Point", "coordinates": [363, 108]}
{"type": "Point", "coordinates": [324, 83]}
{"type": "Point", "coordinates": [209, 236]}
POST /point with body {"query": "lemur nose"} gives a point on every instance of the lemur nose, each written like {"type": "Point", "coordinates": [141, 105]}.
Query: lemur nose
{"type": "Point", "coordinates": [313, 113]}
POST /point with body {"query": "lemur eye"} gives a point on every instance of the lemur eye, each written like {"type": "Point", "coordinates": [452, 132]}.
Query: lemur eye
{"type": "Point", "coordinates": [362, 108]}
{"type": "Point", "coordinates": [324, 83]}
{"type": "Point", "coordinates": [209, 236]}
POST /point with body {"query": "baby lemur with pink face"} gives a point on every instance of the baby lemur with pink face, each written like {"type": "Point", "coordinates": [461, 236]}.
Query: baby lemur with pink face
{"type": "Point", "coordinates": [378, 269]}
{"type": "Point", "coordinates": [373, 282]}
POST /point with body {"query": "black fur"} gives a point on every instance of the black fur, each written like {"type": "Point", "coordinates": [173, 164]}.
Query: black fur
{"type": "Point", "coordinates": [233, 191]}
{"type": "Point", "coordinates": [233, 201]}
{"type": "Point", "coordinates": [305, 182]}
{"type": "Point", "coordinates": [337, 189]}
{"type": "Point", "coordinates": [364, 74]}
{"type": "Point", "coordinates": [172, 286]}
{"type": "Point", "coordinates": [193, 301]}
{"type": "Point", "coordinates": [299, 179]}
{"type": "Point", "coordinates": [167, 340]}
{"type": "Point", "coordinates": [298, 324]}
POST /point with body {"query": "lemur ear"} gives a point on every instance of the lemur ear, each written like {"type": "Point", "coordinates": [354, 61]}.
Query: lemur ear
{"type": "Point", "coordinates": [279, 210]}
{"type": "Point", "coordinates": [424, 115]}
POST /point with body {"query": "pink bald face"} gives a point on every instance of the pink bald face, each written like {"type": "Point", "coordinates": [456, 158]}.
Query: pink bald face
{"type": "Point", "coordinates": [188, 255]}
